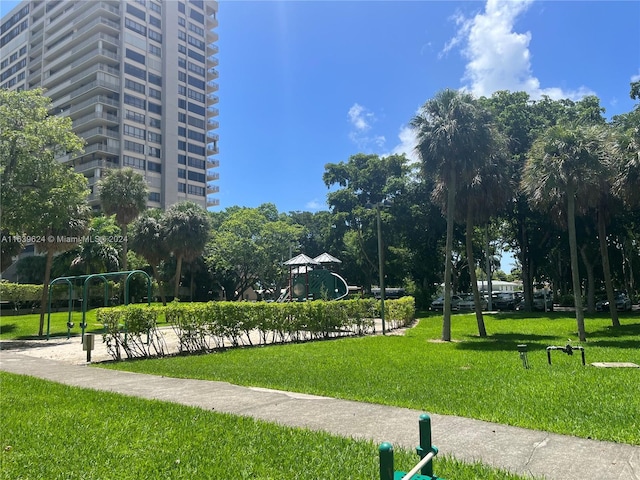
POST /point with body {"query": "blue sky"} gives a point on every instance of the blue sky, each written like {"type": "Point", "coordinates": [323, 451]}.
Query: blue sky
{"type": "Point", "coordinates": [304, 83]}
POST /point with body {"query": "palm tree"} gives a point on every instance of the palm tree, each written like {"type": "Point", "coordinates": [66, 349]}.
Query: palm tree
{"type": "Point", "coordinates": [123, 192]}
{"type": "Point", "coordinates": [147, 239]}
{"type": "Point", "coordinates": [99, 254]}
{"type": "Point", "coordinates": [562, 166]}
{"type": "Point", "coordinates": [454, 136]}
{"type": "Point", "coordinates": [186, 230]}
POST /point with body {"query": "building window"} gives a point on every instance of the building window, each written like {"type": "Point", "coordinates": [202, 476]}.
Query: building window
{"type": "Point", "coordinates": [182, 90]}
{"type": "Point", "coordinates": [197, 29]}
{"type": "Point", "coordinates": [135, 26]}
{"type": "Point", "coordinates": [154, 93]}
{"type": "Point", "coordinates": [128, 161]}
{"type": "Point", "coordinates": [182, 117]}
{"type": "Point", "coordinates": [155, 122]}
{"type": "Point", "coordinates": [135, 71]}
{"type": "Point", "coordinates": [155, 50]}
{"type": "Point", "coordinates": [182, 145]}
{"type": "Point", "coordinates": [182, 103]}
{"type": "Point", "coordinates": [154, 137]}
{"type": "Point", "coordinates": [157, 36]}
{"type": "Point", "coordinates": [196, 122]}
{"type": "Point", "coordinates": [196, 42]}
{"type": "Point", "coordinates": [155, 7]}
{"type": "Point", "coordinates": [197, 163]}
{"type": "Point", "coordinates": [134, 101]}
{"type": "Point", "coordinates": [182, 173]}
{"type": "Point", "coordinates": [197, 16]}
{"type": "Point", "coordinates": [133, 146]}
{"type": "Point", "coordinates": [182, 131]}
{"type": "Point", "coordinates": [197, 177]}
{"type": "Point", "coordinates": [135, 56]}
{"type": "Point", "coordinates": [196, 82]}
{"type": "Point", "coordinates": [182, 35]}
{"type": "Point", "coordinates": [182, 76]}
{"type": "Point", "coordinates": [155, 21]}
{"type": "Point", "coordinates": [198, 150]}
{"type": "Point", "coordinates": [181, 8]}
{"type": "Point", "coordinates": [197, 96]}
{"type": "Point", "coordinates": [135, 86]}
{"type": "Point", "coordinates": [134, 132]}
{"type": "Point", "coordinates": [196, 69]}
{"type": "Point", "coordinates": [154, 167]}
{"type": "Point", "coordinates": [182, 49]}
{"type": "Point", "coordinates": [154, 152]}
{"type": "Point", "coordinates": [199, 109]}
{"type": "Point", "coordinates": [195, 190]}
{"type": "Point", "coordinates": [134, 116]}
{"type": "Point", "coordinates": [155, 108]}
{"type": "Point", "coordinates": [155, 79]}
{"type": "Point", "coordinates": [182, 62]}
{"type": "Point", "coordinates": [196, 56]}
{"type": "Point", "coordinates": [182, 159]}
{"type": "Point", "coordinates": [136, 12]}
{"type": "Point", "coordinates": [182, 187]}
{"type": "Point", "coordinates": [154, 197]}
{"type": "Point", "coordinates": [197, 136]}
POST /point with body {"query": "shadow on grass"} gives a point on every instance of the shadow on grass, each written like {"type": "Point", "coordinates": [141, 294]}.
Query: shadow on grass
{"type": "Point", "coordinates": [624, 344]}
{"type": "Point", "coordinates": [8, 328]}
{"type": "Point", "coordinates": [507, 342]}
{"type": "Point", "coordinates": [621, 331]}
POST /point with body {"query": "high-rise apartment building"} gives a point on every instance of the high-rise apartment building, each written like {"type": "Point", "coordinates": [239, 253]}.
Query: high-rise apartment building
{"type": "Point", "coordinates": [137, 78]}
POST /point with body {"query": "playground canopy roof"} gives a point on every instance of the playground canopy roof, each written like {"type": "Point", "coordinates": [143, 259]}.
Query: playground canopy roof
{"type": "Point", "coordinates": [301, 259]}
{"type": "Point", "coordinates": [326, 258]}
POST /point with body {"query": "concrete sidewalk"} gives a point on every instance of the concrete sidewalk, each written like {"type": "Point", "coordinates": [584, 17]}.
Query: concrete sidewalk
{"type": "Point", "coordinates": [516, 449]}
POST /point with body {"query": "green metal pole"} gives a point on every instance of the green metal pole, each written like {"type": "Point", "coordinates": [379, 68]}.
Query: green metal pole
{"type": "Point", "coordinates": [381, 268]}
{"type": "Point", "coordinates": [425, 447]}
{"type": "Point", "coordinates": [386, 461]}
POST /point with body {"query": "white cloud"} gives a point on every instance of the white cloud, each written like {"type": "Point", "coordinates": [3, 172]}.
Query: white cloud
{"type": "Point", "coordinates": [315, 205]}
{"type": "Point", "coordinates": [498, 57]}
{"type": "Point", "coordinates": [407, 145]}
{"type": "Point", "coordinates": [361, 120]}
{"type": "Point", "coordinates": [636, 77]}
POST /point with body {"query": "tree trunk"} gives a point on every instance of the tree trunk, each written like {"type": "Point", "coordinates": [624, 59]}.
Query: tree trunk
{"type": "Point", "coordinates": [176, 290]}
{"type": "Point", "coordinates": [44, 302]}
{"type": "Point", "coordinates": [474, 279]}
{"type": "Point", "coordinates": [591, 282]}
{"type": "Point", "coordinates": [575, 274]}
{"type": "Point", "coordinates": [446, 311]}
{"type": "Point", "coordinates": [488, 265]}
{"type": "Point", "coordinates": [606, 269]}
{"type": "Point", "coordinates": [160, 286]}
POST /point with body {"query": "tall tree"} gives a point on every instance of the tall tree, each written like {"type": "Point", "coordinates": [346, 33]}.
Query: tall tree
{"type": "Point", "coordinates": [40, 197]}
{"type": "Point", "coordinates": [454, 134]}
{"type": "Point", "coordinates": [186, 230]}
{"type": "Point", "coordinates": [123, 192]}
{"type": "Point", "coordinates": [561, 166]}
{"type": "Point", "coordinates": [99, 253]}
{"type": "Point", "coordinates": [147, 240]}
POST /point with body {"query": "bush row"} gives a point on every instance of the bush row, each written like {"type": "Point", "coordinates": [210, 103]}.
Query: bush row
{"type": "Point", "coordinates": [23, 294]}
{"type": "Point", "coordinates": [133, 330]}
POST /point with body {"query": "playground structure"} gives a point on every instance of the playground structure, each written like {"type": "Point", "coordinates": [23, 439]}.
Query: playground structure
{"type": "Point", "coordinates": [85, 294]}
{"type": "Point", "coordinates": [309, 280]}
{"type": "Point", "coordinates": [425, 450]}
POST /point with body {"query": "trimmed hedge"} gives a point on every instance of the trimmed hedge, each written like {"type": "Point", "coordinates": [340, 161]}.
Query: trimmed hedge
{"type": "Point", "coordinates": [202, 327]}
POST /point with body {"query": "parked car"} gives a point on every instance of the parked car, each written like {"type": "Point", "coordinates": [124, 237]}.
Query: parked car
{"type": "Point", "coordinates": [623, 302]}
{"type": "Point", "coordinates": [504, 301]}
{"type": "Point", "coordinates": [467, 303]}
{"type": "Point", "coordinates": [542, 301]}
{"type": "Point", "coordinates": [438, 303]}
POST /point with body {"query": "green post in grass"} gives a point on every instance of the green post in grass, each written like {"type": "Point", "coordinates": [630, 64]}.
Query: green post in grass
{"type": "Point", "coordinates": [424, 425]}
{"type": "Point", "coordinates": [386, 461]}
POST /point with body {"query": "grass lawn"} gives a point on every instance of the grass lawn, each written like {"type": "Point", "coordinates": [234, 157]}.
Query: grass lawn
{"type": "Point", "coordinates": [470, 377]}
{"type": "Point", "coordinates": [51, 431]}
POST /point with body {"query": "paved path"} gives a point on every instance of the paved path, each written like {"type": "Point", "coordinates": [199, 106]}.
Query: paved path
{"type": "Point", "coordinates": [520, 450]}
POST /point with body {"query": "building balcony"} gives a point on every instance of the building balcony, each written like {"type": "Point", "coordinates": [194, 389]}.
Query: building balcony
{"type": "Point", "coordinates": [97, 118]}
{"type": "Point", "coordinates": [213, 202]}
{"type": "Point", "coordinates": [212, 177]}
{"type": "Point", "coordinates": [98, 132]}
{"type": "Point", "coordinates": [213, 124]}
{"type": "Point", "coordinates": [90, 103]}
{"type": "Point", "coordinates": [212, 163]}
{"type": "Point", "coordinates": [213, 136]}
{"type": "Point", "coordinates": [98, 85]}
{"type": "Point", "coordinates": [212, 49]}
{"type": "Point", "coordinates": [212, 149]}
{"type": "Point", "coordinates": [212, 74]}
{"type": "Point", "coordinates": [212, 111]}
{"type": "Point", "coordinates": [213, 98]}
{"type": "Point", "coordinates": [213, 189]}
